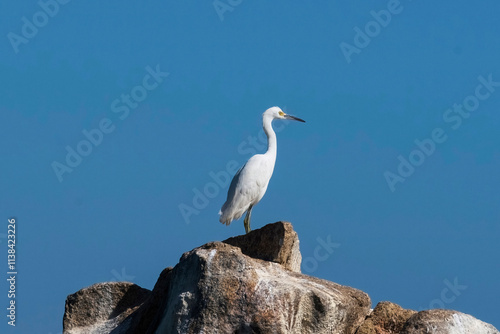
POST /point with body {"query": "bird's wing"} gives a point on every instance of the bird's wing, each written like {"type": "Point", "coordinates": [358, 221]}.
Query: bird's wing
{"type": "Point", "coordinates": [252, 178]}
{"type": "Point", "coordinates": [234, 184]}
{"type": "Point", "coordinates": [245, 189]}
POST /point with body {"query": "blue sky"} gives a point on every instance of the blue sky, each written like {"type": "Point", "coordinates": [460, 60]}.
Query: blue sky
{"type": "Point", "coordinates": [172, 93]}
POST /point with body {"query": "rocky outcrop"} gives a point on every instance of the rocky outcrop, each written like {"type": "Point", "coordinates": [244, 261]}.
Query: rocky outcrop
{"type": "Point", "coordinates": [386, 318]}
{"type": "Point", "coordinates": [389, 318]}
{"type": "Point", "coordinates": [218, 289]}
{"type": "Point", "coordinates": [102, 307]}
{"type": "Point", "coordinates": [274, 242]}
{"type": "Point", "coordinates": [446, 322]}
{"type": "Point", "coordinates": [246, 284]}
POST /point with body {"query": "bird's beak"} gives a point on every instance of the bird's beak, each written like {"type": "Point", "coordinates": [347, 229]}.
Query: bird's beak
{"type": "Point", "coordinates": [294, 118]}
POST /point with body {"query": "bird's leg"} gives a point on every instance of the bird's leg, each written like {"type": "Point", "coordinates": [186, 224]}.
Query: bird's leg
{"type": "Point", "coordinates": [246, 221]}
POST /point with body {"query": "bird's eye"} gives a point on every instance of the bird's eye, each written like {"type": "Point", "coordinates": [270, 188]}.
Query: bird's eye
{"type": "Point", "coordinates": [281, 113]}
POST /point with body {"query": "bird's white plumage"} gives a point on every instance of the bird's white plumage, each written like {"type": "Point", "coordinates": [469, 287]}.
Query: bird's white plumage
{"type": "Point", "coordinates": [250, 182]}
{"type": "Point", "coordinates": [248, 187]}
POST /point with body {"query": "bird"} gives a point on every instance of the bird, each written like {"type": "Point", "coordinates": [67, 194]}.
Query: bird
{"type": "Point", "coordinates": [250, 182]}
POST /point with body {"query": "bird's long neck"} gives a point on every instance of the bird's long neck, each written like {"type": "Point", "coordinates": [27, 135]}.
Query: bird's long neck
{"type": "Point", "coordinates": [272, 144]}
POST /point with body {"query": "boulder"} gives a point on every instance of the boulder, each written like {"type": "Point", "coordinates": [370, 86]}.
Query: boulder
{"type": "Point", "coordinates": [102, 307]}
{"type": "Point", "coordinates": [386, 318]}
{"type": "Point", "coordinates": [248, 284]}
{"type": "Point", "coordinates": [446, 322]}
{"type": "Point", "coordinates": [276, 242]}
{"type": "Point", "coordinates": [217, 289]}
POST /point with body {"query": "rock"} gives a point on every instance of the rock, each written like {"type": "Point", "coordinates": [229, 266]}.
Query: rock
{"type": "Point", "coordinates": [446, 322]}
{"type": "Point", "coordinates": [147, 316]}
{"type": "Point", "coordinates": [248, 284]}
{"type": "Point", "coordinates": [389, 318]}
{"type": "Point", "coordinates": [276, 242]}
{"type": "Point", "coordinates": [217, 289]}
{"type": "Point", "coordinates": [101, 307]}
{"type": "Point", "coordinates": [386, 318]}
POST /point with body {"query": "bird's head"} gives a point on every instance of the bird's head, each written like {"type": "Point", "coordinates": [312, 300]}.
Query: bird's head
{"type": "Point", "coordinates": [277, 113]}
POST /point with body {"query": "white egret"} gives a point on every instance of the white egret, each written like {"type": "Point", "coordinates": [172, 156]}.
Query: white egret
{"type": "Point", "coordinates": [250, 182]}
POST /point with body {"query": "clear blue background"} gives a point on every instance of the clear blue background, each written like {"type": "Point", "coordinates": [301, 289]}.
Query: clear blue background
{"type": "Point", "coordinates": [117, 215]}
